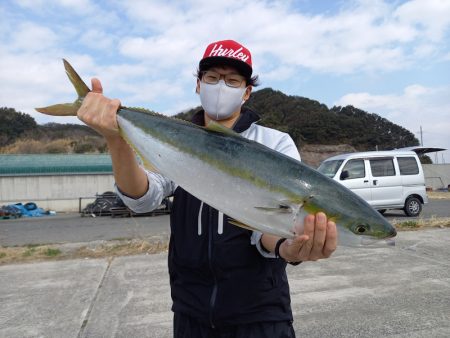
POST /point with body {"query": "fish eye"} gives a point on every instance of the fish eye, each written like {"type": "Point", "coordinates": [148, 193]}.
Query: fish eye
{"type": "Point", "coordinates": [361, 228]}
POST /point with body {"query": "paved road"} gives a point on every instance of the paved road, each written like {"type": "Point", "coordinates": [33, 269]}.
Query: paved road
{"type": "Point", "coordinates": [435, 208]}
{"type": "Point", "coordinates": [72, 228]}
{"type": "Point", "coordinates": [395, 292]}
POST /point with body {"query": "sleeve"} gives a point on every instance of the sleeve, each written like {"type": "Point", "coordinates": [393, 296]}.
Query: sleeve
{"type": "Point", "coordinates": [256, 240]}
{"type": "Point", "coordinates": [285, 146]}
{"type": "Point", "coordinates": [159, 188]}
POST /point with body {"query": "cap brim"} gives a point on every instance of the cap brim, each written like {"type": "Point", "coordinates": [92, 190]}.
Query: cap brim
{"type": "Point", "coordinates": [243, 68]}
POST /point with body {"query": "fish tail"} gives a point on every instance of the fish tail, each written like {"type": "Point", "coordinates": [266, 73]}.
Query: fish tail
{"type": "Point", "coordinates": [68, 109]}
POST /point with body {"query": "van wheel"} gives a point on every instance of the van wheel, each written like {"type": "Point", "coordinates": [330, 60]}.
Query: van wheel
{"type": "Point", "coordinates": [413, 207]}
{"type": "Point", "coordinates": [382, 211]}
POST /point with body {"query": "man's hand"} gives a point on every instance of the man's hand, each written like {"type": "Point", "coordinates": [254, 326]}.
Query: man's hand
{"type": "Point", "coordinates": [319, 240]}
{"type": "Point", "coordinates": [99, 112]}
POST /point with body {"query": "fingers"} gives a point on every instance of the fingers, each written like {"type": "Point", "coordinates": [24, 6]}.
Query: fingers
{"type": "Point", "coordinates": [305, 250]}
{"type": "Point", "coordinates": [320, 232]}
{"type": "Point", "coordinates": [96, 86]}
{"type": "Point", "coordinates": [291, 249]}
{"type": "Point", "coordinates": [318, 241]}
{"type": "Point", "coordinates": [100, 112]}
{"type": "Point", "coordinates": [331, 239]}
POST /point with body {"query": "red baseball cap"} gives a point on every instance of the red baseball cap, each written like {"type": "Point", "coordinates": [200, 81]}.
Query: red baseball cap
{"type": "Point", "coordinates": [227, 52]}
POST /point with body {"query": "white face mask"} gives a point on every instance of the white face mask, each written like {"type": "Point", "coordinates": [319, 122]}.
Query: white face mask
{"type": "Point", "coordinates": [220, 101]}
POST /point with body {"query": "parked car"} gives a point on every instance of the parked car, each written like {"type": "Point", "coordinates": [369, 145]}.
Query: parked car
{"type": "Point", "coordinates": [385, 179]}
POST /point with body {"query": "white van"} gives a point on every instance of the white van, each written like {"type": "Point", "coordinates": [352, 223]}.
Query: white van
{"type": "Point", "coordinates": [385, 179]}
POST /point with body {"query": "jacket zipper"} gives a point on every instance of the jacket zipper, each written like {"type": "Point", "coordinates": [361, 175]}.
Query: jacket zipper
{"type": "Point", "coordinates": [212, 300]}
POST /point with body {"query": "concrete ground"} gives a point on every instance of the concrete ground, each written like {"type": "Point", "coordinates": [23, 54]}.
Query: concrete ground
{"type": "Point", "coordinates": [401, 291]}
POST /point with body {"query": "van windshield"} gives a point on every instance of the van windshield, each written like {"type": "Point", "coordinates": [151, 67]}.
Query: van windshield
{"type": "Point", "coordinates": [329, 168]}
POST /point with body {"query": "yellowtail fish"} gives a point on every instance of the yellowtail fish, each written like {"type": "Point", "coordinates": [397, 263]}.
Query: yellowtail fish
{"type": "Point", "coordinates": [259, 188]}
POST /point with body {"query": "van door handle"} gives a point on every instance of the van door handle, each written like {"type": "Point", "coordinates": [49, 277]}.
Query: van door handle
{"type": "Point", "coordinates": [375, 182]}
{"type": "Point", "coordinates": [366, 181]}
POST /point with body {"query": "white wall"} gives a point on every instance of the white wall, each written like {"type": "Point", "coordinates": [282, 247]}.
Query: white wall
{"type": "Point", "coordinates": [54, 192]}
{"type": "Point", "coordinates": [437, 176]}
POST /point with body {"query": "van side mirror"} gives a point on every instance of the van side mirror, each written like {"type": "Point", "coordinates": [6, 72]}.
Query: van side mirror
{"type": "Point", "coordinates": [344, 175]}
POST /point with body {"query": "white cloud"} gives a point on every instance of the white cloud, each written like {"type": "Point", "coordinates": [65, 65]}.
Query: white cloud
{"type": "Point", "coordinates": [364, 36]}
{"type": "Point", "coordinates": [31, 37]}
{"type": "Point", "coordinates": [163, 52]}
{"type": "Point", "coordinates": [431, 17]}
{"type": "Point", "coordinates": [97, 39]}
{"type": "Point", "coordinates": [145, 52]}
{"type": "Point", "coordinates": [76, 6]}
{"type": "Point", "coordinates": [80, 6]}
{"type": "Point", "coordinates": [157, 15]}
{"type": "Point", "coordinates": [418, 106]}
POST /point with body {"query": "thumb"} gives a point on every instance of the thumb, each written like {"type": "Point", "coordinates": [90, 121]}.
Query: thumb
{"type": "Point", "coordinates": [96, 86]}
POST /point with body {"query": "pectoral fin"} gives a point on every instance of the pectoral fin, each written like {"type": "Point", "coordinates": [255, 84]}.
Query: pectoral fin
{"type": "Point", "coordinates": [281, 209]}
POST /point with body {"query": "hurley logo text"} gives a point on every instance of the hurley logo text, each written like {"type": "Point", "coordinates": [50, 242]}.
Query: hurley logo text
{"type": "Point", "coordinates": [218, 50]}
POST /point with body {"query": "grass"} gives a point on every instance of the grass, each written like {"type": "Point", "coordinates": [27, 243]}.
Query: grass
{"type": "Point", "coordinates": [30, 246]}
{"type": "Point", "coordinates": [438, 195]}
{"type": "Point", "coordinates": [433, 222]}
{"type": "Point", "coordinates": [52, 252]}
{"type": "Point", "coordinates": [124, 247]}
{"type": "Point", "coordinates": [29, 252]}
{"type": "Point", "coordinates": [40, 252]}
{"type": "Point", "coordinates": [408, 224]}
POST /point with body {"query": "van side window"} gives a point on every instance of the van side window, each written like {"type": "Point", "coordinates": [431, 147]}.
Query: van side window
{"type": "Point", "coordinates": [382, 167]}
{"type": "Point", "coordinates": [353, 169]}
{"type": "Point", "coordinates": [408, 165]}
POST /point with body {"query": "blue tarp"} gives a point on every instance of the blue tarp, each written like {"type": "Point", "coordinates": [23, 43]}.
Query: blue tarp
{"type": "Point", "coordinates": [25, 210]}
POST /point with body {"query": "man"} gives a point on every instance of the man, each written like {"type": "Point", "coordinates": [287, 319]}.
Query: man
{"type": "Point", "coordinates": [225, 281]}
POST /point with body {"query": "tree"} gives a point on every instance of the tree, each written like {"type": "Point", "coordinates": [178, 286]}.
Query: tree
{"type": "Point", "coordinates": [311, 122]}
{"type": "Point", "coordinates": [13, 124]}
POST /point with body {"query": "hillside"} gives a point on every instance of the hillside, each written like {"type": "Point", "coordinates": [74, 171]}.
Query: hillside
{"type": "Point", "coordinates": [318, 131]}
{"type": "Point", "coordinates": [20, 134]}
{"type": "Point", "coordinates": [311, 122]}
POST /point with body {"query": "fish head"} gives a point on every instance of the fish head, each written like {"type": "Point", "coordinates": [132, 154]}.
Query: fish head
{"type": "Point", "coordinates": [371, 229]}
{"type": "Point", "coordinates": [357, 221]}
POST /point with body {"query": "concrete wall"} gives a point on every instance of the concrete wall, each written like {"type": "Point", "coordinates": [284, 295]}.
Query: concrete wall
{"type": "Point", "coordinates": [62, 192]}
{"type": "Point", "coordinates": [437, 176]}
{"type": "Point", "coordinates": [59, 192]}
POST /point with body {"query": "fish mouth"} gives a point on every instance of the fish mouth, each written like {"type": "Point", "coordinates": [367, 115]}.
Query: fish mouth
{"type": "Point", "coordinates": [370, 242]}
{"type": "Point", "coordinates": [389, 239]}
{"type": "Point", "coordinates": [392, 234]}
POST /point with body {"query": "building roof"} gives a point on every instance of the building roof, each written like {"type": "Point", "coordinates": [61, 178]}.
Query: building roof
{"type": "Point", "coordinates": [54, 164]}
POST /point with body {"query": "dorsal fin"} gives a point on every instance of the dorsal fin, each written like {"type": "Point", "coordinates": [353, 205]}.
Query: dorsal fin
{"type": "Point", "coordinates": [218, 128]}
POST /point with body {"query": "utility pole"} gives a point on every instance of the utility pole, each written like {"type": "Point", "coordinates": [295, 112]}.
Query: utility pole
{"type": "Point", "coordinates": [421, 137]}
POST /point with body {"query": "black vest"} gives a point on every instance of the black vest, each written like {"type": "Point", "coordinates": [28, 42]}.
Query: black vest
{"type": "Point", "coordinates": [216, 275]}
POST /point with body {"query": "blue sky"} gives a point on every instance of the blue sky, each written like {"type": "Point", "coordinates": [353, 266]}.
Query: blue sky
{"type": "Point", "coordinates": [391, 58]}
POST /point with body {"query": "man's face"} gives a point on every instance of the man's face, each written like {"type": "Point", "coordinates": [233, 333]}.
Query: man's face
{"type": "Point", "coordinates": [226, 73]}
